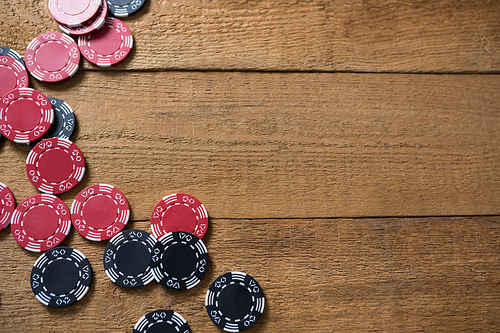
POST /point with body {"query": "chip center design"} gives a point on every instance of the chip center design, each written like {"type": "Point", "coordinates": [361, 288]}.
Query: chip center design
{"type": "Point", "coordinates": [23, 114]}
{"type": "Point", "coordinates": [40, 222]}
{"type": "Point", "coordinates": [72, 7]}
{"type": "Point", "coordinates": [52, 56]}
{"type": "Point", "coordinates": [99, 211]}
{"type": "Point", "coordinates": [106, 41]}
{"type": "Point", "coordinates": [55, 165]}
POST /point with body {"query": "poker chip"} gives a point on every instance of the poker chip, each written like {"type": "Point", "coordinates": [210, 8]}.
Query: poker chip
{"type": "Point", "coordinates": [179, 261]}
{"type": "Point", "coordinates": [179, 212]}
{"type": "Point", "coordinates": [5, 51]}
{"type": "Point", "coordinates": [234, 301]}
{"type": "Point", "coordinates": [108, 45]}
{"type": "Point", "coordinates": [55, 165]}
{"type": "Point", "coordinates": [64, 120]}
{"type": "Point", "coordinates": [99, 212]}
{"type": "Point", "coordinates": [74, 13]}
{"type": "Point", "coordinates": [127, 258]}
{"type": "Point", "coordinates": [12, 75]}
{"type": "Point", "coordinates": [61, 277]}
{"type": "Point", "coordinates": [52, 57]}
{"type": "Point", "coordinates": [166, 321]}
{"type": "Point", "coordinates": [40, 222]}
{"type": "Point", "coordinates": [7, 205]}
{"type": "Point", "coordinates": [25, 115]}
{"type": "Point", "coordinates": [89, 27]}
{"type": "Point", "coordinates": [124, 8]}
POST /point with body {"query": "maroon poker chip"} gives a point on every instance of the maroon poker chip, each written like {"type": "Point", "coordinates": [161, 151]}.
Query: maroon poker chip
{"type": "Point", "coordinates": [52, 57]}
{"type": "Point", "coordinates": [12, 75]}
{"type": "Point", "coordinates": [25, 115]}
{"type": "Point", "coordinates": [109, 45]}
{"type": "Point", "coordinates": [7, 205]}
{"type": "Point", "coordinates": [74, 13]}
{"type": "Point", "coordinates": [55, 165]}
{"type": "Point", "coordinates": [179, 212]}
{"type": "Point", "coordinates": [91, 26]}
{"type": "Point", "coordinates": [99, 212]}
{"type": "Point", "coordinates": [40, 222]}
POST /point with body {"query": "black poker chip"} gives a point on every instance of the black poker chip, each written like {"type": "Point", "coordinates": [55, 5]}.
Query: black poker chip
{"type": "Point", "coordinates": [60, 277]}
{"type": "Point", "coordinates": [64, 121]}
{"type": "Point", "coordinates": [179, 261]}
{"type": "Point", "coordinates": [127, 258]}
{"type": "Point", "coordinates": [124, 8]}
{"type": "Point", "coordinates": [234, 301]}
{"type": "Point", "coordinates": [162, 321]}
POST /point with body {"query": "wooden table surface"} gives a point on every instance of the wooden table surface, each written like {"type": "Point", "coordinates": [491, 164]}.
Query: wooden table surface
{"type": "Point", "coordinates": [347, 153]}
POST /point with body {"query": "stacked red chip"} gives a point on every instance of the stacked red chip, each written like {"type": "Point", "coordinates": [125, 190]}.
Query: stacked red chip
{"type": "Point", "coordinates": [73, 13]}
{"type": "Point", "coordinates": [103, 41]}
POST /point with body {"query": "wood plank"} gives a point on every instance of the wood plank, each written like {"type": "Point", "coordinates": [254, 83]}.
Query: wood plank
{"type": "Point", "coordinates": [256, 145]}
{"type": "Point", "coordinates": [317, 35]}
{"type": "Point", "coordinates": [340, 275]}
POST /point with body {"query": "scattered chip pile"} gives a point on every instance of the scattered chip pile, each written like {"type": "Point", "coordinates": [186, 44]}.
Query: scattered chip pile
{"type": "Point", "coordinates": [174, 254]}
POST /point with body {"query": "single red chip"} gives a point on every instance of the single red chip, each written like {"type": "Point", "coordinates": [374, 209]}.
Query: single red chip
{"type": "Point", "coordinates": [109, 45]}
{"type": "Point", "coordinates": [99, 212]}
{"type": "Point", "coordinates": [25, 115]}
{"type": "Point", "coordinates": [74, 13]}
{"type": "Point", "coordinates": [7, 205]}
{"type": "Point", "coordinates": [55, 165]}
{"type": "Point", "coordinates": [40, 222]}
{"type": "Point", "coordinates": [179, 212]}
{"type": "Point", "coordinates": [12, 75]}
{"type": "Point", "coordinates": [52, 57]}
{"type": "Point", "coordinates": [91, 26]}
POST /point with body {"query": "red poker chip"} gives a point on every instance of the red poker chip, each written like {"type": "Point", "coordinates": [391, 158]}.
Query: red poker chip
{"type": "Point", "coordinates": [12, 75]}
{"type": "Point", "coordinates": [91, 26]}
{"type": "Point", "coordinates": [109, 45]}
{"type": "Point", "coordinates": [25, 115]}
{"type": "Point", "coordinates": [40, 222]}
{"type": "Point", "coordinates": [52, 57]}
{"type": "Point", "coordinates": [99, 212]}
{"type": "Point", "coordinates": [74, 13]}
{"type": "Point", "coordinates": [7, 205]}
{"type": "Point", "coordinates": [55, 165]}
{"type": "Point", "coordinates": [179, 212]}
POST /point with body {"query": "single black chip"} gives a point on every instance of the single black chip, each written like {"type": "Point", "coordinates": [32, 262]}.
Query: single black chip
{"type": "Point", "coordinates": [234, 301]}
{"type": "Point", "coordinates": [127, 258]}
{"type": "Point", "coordinates": [60, 277]}
{"type": "Point", "coordinates": [162, 321]}
{"type": "Point", "coordinates": [179, 261]}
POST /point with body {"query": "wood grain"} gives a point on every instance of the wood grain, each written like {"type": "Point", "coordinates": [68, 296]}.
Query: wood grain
{"type": "Point", "coordinates": [257, 145]}
{"type": "Point", "coordinates": [333, 275]}
{"type": "Point", "coordinates": [289, 35]}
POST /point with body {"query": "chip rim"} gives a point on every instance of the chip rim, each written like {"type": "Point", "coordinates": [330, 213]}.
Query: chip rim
{"type": "Point", "coordinates": [158, 224]}
{"type": "Point", "coordinates": [175, 283]}
{"type": "Point", "coordinates": [22, 77]}
{"type": "Point", "coordinates": [112, 249]}
{"type": "Point", "coordinates": [46, 118]}
{"type": "Point", "coordinates": [66, 185]}
{"type": "Point", "coordinates": [171, 317]}
{"type": "Point", "coordinates": [77, 293]}
{"type": "Point", "coordinates": [13, 54]}
{"type": "Point", "coordinates": [83, 228]}
{"type": "Point", "coordinates": [62, 74]}
{"type": "Point", "coordinates": [212, 301]}
{"type": "Point", "coordinates": [6, 214]}
{"type": "Point", "coordinates": [127, 43]}
{"type": "Point", "coordinates": [40, 245]}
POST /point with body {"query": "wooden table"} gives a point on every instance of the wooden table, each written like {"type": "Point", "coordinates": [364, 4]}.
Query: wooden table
{"type": "Point", "coordinates": [347, 153]}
